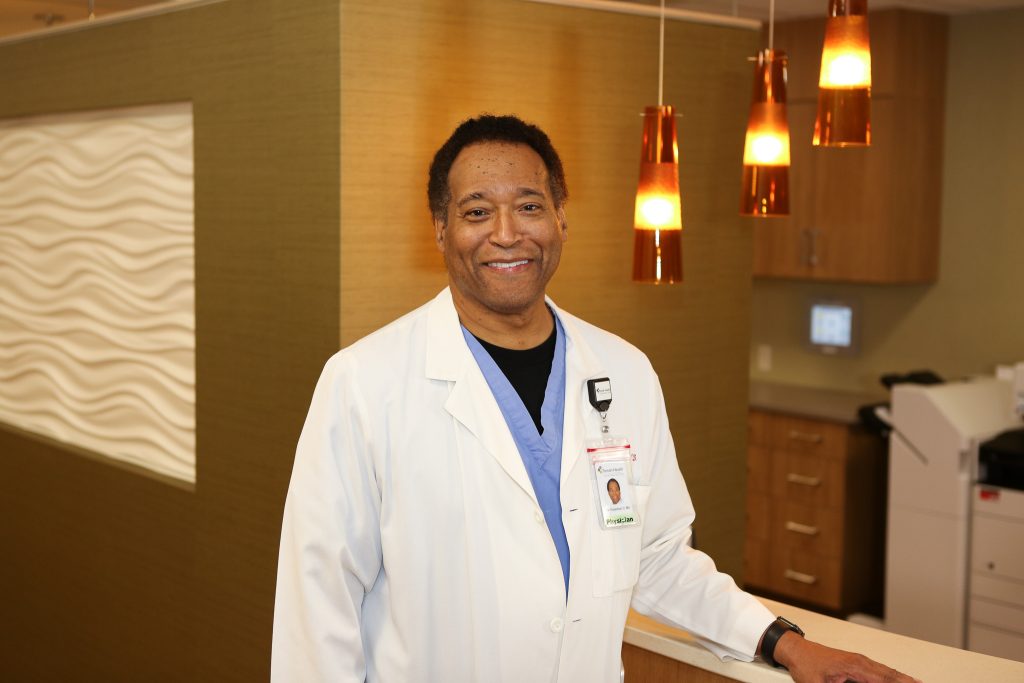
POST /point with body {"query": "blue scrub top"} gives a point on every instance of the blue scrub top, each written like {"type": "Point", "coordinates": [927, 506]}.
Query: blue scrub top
{"type": "Point", "coordinates": [541, 453]}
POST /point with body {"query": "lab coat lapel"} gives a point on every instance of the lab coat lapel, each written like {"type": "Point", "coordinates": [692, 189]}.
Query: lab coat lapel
{"type": "Point", "coordinates": [471, 401]}
{"type": "Point", "coordinates": [581, 364]}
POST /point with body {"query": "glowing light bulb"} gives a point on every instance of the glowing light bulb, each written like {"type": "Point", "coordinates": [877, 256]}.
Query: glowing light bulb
{"type": "Point", "coordinates": [657, 211]}
{"type": "Point", "coordinates": [767, 148]}
{"type": "Point", "coordinates": [847, 71]}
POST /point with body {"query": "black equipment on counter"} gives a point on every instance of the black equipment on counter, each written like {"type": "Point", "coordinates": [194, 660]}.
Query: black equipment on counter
{"type": "Point", "coordinates": [1001, 460]}
{"type": "Point", "coordinates": [912, 377]}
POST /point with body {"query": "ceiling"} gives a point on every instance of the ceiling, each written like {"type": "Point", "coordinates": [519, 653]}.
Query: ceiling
{"type": "Point", "coordinates": [25, 16]}
{"type": "Point", "coordinates": [791, 9]}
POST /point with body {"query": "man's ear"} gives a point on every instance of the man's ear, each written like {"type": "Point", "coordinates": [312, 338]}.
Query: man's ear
{"type": "Point", "coordinates": [439, 226]}
{"type": "Point", "coordinates": [563, 224]}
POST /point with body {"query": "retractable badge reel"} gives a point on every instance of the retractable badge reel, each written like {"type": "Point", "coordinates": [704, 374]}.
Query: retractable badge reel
{"type": "Point", "coordinates": [611, 464]}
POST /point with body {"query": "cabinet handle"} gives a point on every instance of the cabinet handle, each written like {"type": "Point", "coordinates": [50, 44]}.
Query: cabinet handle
{"type": "Point", "coordinates": [805, 529]}
{"type": "Point", "coordinates": [802, 479]}
{"type": "Point", "coordinates": [812, 258]}
{"type": "Point", "coordinates": [809, 240]}
{"type": "Point", "coordinates": [805, 436]}
{"type": "Point", "coordinates": [801, 577]}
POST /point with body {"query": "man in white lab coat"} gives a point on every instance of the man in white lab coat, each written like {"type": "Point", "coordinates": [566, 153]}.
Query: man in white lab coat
{"type": "Point", "coordinates": [448, 516]}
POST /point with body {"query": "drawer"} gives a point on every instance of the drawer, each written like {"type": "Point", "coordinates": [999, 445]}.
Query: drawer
{"type": "Point", "coordinates": [997, 615]}
{"type": "Point", "coordinates": [759, 469]}
{"type": "Point", "coordinates": [807, 530]}
{"type": "Point", "coordinates": [808, 479]}
{"type": "Point", "coordinates": [987, 587]}
{"type": "Point", "coordinates": [995, 642]}
{"type": "Point", "coordinates": [807, 577]}
{"type": "Point", "coordinates": [800, 435]}
{"type": "Point", "coordinates": [996, 548]}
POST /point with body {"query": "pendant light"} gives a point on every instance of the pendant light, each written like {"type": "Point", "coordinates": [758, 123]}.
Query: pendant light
{"type": "Point", "coordinates": [844, 88]}
{"type": "Point", "coordinates": [657, 218]}
{"type": "Point", "coordinates": [766, 150]}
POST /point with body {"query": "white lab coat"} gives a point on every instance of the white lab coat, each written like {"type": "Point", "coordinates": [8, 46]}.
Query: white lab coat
{"type": "Point", "coordinates": [413, 547]}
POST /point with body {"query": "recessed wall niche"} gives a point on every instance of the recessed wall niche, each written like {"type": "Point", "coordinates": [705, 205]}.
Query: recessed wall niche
{"type": "Point", "coordinates": [97, 283]}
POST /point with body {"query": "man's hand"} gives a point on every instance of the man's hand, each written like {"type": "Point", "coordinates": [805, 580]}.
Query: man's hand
{"type": "Point", "coordinates": [810, 662]}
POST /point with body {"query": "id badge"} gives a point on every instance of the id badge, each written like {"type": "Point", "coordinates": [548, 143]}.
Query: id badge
{"type": "Point", "coordinates": [612, 467]}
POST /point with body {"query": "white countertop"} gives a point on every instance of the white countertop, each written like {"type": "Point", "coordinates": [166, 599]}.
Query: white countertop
{"type": "Point", "coordinates": [927, 661]}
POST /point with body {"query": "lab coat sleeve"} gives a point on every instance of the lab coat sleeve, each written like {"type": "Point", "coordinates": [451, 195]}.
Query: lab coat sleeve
{"type": "Point", "coordinates": [678, 585]}
{"type": "Point", "coordinates": [330, 552]}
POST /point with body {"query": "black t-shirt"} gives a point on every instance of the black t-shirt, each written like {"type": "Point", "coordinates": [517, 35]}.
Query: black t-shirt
{"type": "Point", "coordinates": [527, 371]}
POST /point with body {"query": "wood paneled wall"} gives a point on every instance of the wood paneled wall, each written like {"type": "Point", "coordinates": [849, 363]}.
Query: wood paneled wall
{"type": "Point", "coordinates": [412, 70]}
{"type": "Point", "coordinates": [107, 574]}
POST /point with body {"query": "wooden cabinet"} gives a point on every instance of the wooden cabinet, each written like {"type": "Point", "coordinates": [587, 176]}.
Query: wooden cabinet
{"type": "Point", "coordinates": [868, 214]}
{"type": "Point", "coordinates": [815, 511]}
{"type": "Point", "coordinates": [644, 666]}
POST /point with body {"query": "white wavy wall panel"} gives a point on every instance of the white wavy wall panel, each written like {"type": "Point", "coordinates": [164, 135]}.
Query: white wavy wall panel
{"type": "Point", "coordinates": [97, 284]}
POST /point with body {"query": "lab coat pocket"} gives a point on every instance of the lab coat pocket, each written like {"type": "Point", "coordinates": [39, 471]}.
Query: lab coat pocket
{"type": "Point", "coordinates": [616, 552]}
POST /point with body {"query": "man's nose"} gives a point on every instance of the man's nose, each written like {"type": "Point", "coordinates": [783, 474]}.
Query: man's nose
{"type": "Point", "coordinates": [506, 229]}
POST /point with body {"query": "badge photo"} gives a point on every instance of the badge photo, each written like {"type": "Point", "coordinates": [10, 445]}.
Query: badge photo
{"type": "Point", "coordinates": [614, 486]}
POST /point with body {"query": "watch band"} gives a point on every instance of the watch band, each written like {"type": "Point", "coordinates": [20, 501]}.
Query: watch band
{"type": "Point", "coordinates": [778, 628]}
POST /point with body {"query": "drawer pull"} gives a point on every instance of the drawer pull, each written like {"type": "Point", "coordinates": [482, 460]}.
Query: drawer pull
{"type": "Point", "coordinates": [802, 528]}
{"type": "Point", "coordinates": [804, 480]}
{"type": "Point", "coordinates": [801, 577]}
{"type": "Point", "coordinates": [805, 436]}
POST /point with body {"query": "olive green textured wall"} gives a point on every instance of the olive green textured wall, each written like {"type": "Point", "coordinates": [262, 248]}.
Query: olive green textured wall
{"type": "Point", "coordinates": [584, 76]}
{"type": "Point", "coordinates": [112, 575]}
{"type": "Point", "coordinates": [970, 319]}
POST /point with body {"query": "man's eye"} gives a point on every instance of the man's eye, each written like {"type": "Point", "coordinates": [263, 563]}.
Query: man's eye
{"type": "Point", "coordinates": [531, 207]}
{"type": "Point", "coordinates": [476, 214]}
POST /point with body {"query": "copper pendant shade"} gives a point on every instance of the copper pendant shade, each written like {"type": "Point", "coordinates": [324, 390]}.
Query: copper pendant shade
{"type": "Point", "coordinates": [844, 88]}
{"type": "Point", "coordinates": [766, 151]}
{"type": "Point", "coordinates": [657, 220]}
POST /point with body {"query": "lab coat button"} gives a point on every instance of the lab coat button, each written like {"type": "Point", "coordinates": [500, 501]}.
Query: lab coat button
{"type": "Point", "coordinates": [539, 516]}
{"type": "Point", "coordinates": [556, 625]}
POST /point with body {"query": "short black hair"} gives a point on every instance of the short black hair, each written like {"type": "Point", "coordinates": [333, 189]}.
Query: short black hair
{"type": "Point", "coordinates": [489, 128]}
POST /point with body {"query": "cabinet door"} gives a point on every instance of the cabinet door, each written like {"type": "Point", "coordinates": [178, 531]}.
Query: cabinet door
{"type": "Point", "coordinates": [783, 246]}
{"type": "Point", "coordinates": [853, 203]}
{"type": "Point", "coordinates": [864, 214]}
{"type": "Point", "coordinates": [801, 40]}
{"type": "Point", "coordinates": [876, 209]}
{"type": "Point", "coordinates": [841, 202]}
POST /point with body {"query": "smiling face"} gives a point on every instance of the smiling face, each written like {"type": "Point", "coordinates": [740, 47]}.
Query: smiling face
{"type": "Point", "coordinates": [614, 492]}
{"type": "Point", "coordinates": [502, 237]}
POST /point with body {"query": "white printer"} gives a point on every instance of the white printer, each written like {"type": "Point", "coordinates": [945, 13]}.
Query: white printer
{"type": "Point", "coordinates": [995, 611]}
{"type": "Point", "coordinates": [935, 589]}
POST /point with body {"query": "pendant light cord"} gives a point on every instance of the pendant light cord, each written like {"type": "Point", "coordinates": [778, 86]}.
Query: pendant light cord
{"type": "Point", "coordinates": [771, 23]}
{"type": "Point", "coordinates": [661, 56]}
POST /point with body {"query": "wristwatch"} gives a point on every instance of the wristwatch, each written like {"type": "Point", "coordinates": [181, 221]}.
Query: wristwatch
{"type": "Point", "coordinates": [771, 637]}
